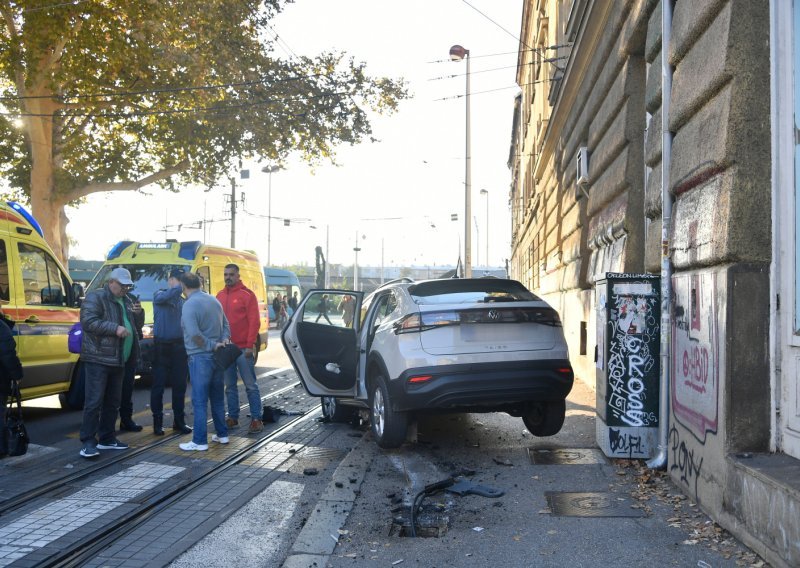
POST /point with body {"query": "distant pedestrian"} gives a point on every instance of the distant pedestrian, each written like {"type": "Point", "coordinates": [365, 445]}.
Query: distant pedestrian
{"type": "Point", "coordinates": [126, 421]}
{"type": "Point", "coordinates": [109, 342]}
{"type": "Point", "coordinates": [241, 308]}
{"type": "Point", "coordinates": [323, 308]}
{"type": "Point", "coordinates": [284, 317]}
{"type": "Point", "coordinates": [347, 307]}
{"type": "Point", "coordinates": [205, 329]}
{"type": "Point", "coordinates": [170, 364]}
{"type": "Point", "coordinates": [10, 370]}
{"type": "Point", "coordinates": [276, 308]}
{"type": "Point", "coordinates": [293, 301]}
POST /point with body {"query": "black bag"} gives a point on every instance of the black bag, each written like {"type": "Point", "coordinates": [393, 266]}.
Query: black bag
{"type": "Point", "coordinates": [15, 427]}
{"type": "Point", "coordinates": [226, 355]}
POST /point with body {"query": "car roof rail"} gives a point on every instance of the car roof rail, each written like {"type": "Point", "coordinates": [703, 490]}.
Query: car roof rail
{"type": "Point", "coordinates": [403, 280]}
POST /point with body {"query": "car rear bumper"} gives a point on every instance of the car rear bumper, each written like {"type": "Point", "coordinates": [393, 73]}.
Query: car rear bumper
{"type": "Point", "coordinates": [482, 386]}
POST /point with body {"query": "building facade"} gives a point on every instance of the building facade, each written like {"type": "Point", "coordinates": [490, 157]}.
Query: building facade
{"type": "Point", "coordinates": [586, 161]}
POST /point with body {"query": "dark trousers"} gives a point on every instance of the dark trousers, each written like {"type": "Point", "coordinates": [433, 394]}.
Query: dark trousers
{"type": "Point", "coordinates": [170, 366]}
{"type": "Point", "coordinates": [126, 401]}
{"type": "Point", "coordinates": [4, 433]}
{"type": "Point", "coordinates": [103, 393]}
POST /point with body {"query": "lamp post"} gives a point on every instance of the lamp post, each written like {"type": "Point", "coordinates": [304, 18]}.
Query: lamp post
{"type": "Point", "coordinates": [486, 193]}
{"type": "Point", "coordinates": [355, 264]}
{"type": "Point", "coordinates": [269, 170]}
{"type": "Point", "coordinates": [457, 53]}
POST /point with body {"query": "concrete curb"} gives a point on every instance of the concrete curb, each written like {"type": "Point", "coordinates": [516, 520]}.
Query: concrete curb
{"type": "Point", "coordinates": [320, 535]}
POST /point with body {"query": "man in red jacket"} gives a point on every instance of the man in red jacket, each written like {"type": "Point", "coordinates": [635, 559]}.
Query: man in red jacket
{"type": "Point", "coordinates": [241, 308]}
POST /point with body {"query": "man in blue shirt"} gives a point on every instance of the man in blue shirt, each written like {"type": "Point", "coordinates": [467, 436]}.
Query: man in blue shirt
{"type": "Point", "coordinates": [170, 364]}
{"type": "Point", "coordinates": [205, 329]}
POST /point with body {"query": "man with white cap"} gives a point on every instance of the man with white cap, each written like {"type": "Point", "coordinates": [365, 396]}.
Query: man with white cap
{"type": "Point", "coordinates": [109, 342]}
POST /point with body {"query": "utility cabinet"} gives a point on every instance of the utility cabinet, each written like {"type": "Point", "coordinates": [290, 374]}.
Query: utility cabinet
{"type": "Point", "coordinates": [628, 361]}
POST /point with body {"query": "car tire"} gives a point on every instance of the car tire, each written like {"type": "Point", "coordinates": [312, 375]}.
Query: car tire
{"type": "Point", "coordinates": [335, 412]}
{"type": "Point", "coordinates": [388, 427]}
{"type": "Point", "coordinates": [545, 419]}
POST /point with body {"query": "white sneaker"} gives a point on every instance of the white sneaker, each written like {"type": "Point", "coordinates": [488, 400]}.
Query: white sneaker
{"type": "Point", "coordinates": [192, 447]}
{"type": "Point", "coordinates": [220, 439]}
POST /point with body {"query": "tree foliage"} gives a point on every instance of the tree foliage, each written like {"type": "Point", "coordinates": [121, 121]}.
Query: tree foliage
{"type": "Point", "coordinates": [103, 95]}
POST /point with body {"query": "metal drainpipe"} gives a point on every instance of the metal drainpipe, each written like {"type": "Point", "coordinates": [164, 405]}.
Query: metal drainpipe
{"type": "Point", "coordinates": [659, 461]}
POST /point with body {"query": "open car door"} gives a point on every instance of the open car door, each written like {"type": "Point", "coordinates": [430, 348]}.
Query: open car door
{"type": "Point", "coordinates": [321, 340]}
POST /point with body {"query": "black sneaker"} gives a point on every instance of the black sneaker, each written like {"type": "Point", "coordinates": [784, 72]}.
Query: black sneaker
{"type": "Point", "coordinates": [112, 445]}
{"type": "Point", "coordinates": [89, 451]}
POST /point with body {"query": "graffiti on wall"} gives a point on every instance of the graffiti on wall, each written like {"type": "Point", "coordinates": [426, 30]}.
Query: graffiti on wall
{"type": "Point", "coordinates": [695, 354]}
{"type": "Point", "coordinates": [633, 352]}
{"type": "Point", "coordinates": [684, 462]}
{"type": "Point", "coordinates": [626, 443]}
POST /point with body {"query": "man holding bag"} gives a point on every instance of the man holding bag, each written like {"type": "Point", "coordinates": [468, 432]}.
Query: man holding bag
{"type": "Point", "coordinates": [205, 329]}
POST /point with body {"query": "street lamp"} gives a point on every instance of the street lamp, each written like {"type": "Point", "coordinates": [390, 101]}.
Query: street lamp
{"type": "Point", "coordinates": [355, 264]}
{"type": "Point", "coordinates": [269, 170]}
{"type": "Point", "coordinates": [457, 53]}
{"type": "Point", "coordinates": [486, 193]}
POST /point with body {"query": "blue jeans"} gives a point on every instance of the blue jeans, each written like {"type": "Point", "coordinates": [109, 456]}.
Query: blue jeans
{"type": "Point", "coordinates": [103, 394]}
{"type": "Point", "coordinates": [169, 366]}
{"type": "Point", "coordinates": [247, 370]}
{"type": "Point", "coordinates": [207, 384]}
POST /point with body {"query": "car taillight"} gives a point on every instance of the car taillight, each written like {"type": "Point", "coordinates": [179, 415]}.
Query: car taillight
{"type": "Point", "coordinates": [564, 371]}
{"type": "Point", "coordinates": [419, 379]}
{"type": "Point", "coordinates": [426, 321]}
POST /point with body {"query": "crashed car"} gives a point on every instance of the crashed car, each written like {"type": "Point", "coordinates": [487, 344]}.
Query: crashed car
{"type": "Point", "coordinates": [433, 346]}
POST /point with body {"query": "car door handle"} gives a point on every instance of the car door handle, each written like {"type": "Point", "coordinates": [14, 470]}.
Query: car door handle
{"type": "Point", "coordinates": [32, 319]}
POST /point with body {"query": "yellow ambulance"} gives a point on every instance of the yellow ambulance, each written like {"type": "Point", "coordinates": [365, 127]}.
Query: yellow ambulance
{"type": "Point", "coordinates": [39, 296]}
{"type": "Point", "coordinates": [151, 263]}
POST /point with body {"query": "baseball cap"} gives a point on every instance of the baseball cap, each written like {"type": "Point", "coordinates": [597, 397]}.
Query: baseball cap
{"type": "Point", "coordinates": [122, 276]}
{"type": "Point", "coordinates": [176, 272]}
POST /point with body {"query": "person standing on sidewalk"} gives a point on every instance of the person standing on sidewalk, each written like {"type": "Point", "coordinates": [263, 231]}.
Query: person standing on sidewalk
{"type": "Point", "coordinates": [10, 370]}
{"type": "Point", "coordinates": [109, 342]}
{"type": "Point", "coordinates": [170, 363]}
{"type": "Point", "coordinates": [241, 308]}
{"type": "Point", "coordinates": [205, 329]}
{"type": "Point", "coordinates": [126, 421]}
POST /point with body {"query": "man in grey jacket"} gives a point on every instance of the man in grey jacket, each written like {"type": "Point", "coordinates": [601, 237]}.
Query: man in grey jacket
{"type": "Point", "coordinates": [205, 329]}
{"type": "Point", "coordinates": [109, 343]}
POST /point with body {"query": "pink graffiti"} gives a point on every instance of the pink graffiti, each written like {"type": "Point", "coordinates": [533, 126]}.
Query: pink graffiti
{"type": "Point", "coordinates": [695, 368]}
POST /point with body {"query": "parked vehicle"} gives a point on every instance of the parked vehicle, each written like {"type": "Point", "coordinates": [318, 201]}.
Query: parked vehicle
{"type": "Point", "coordinates": [37, 293]}
{"type": "Point", "coordinates": [472, 345]}
{"type": "Point", "coordinates": [151, 263]}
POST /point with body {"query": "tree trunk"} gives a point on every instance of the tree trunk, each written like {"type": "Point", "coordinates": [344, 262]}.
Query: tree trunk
{"type": "Point", "coordinates": [45, 203]}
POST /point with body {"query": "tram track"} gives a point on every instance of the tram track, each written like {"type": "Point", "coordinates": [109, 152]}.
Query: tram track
{"type": "Point", "coordinates": [79, 552]}
{"type": "Point", "coordinates": [23, 499]}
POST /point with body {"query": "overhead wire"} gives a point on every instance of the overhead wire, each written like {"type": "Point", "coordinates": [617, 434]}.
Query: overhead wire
{"type": "Point", "coordinates": [496, 24]}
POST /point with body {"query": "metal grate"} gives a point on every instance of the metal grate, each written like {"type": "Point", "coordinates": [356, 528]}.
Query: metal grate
{"type": "Point", "coordinates": [563, 504]}
{"type": "Point", "coordinates": [572, 456]}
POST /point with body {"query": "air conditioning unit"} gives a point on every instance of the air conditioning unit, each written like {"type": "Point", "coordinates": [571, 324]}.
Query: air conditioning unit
{"type": "Point", "coordinates": [582, 166]}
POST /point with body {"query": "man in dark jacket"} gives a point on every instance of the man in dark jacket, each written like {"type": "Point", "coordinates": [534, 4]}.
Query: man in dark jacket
{"type": "Point", "coordinates": [109, 342]}
{"type": "Point", "coordinates": [170, 363]}
{"type": "Point", "coordinates": [10, 369]}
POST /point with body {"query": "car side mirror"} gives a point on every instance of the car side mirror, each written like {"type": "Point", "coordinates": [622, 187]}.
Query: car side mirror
{"type": "Point", "coordinates": [77, 294]}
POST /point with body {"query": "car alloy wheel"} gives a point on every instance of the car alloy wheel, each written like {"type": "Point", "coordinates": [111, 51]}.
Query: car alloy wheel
{"type": "Point", "coordinates": [388, 426]}
{"type": "Point", "coordinates": [335, 412]}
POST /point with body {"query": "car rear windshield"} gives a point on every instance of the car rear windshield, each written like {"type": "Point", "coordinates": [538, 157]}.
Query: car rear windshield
{"type": "Point", "coordinates": [457, 291]}
{"type": "Point", "coordinates": [147, 278]}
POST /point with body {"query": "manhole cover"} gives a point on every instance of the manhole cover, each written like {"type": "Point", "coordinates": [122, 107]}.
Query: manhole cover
{"type": "Point", "coordinates": [572, 456]}
{"type": "Point", "coordinates": [564, 504]}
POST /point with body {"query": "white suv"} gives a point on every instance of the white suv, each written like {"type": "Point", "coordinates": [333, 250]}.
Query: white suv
{"type": "Point", "coordinates": [455, 345]}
